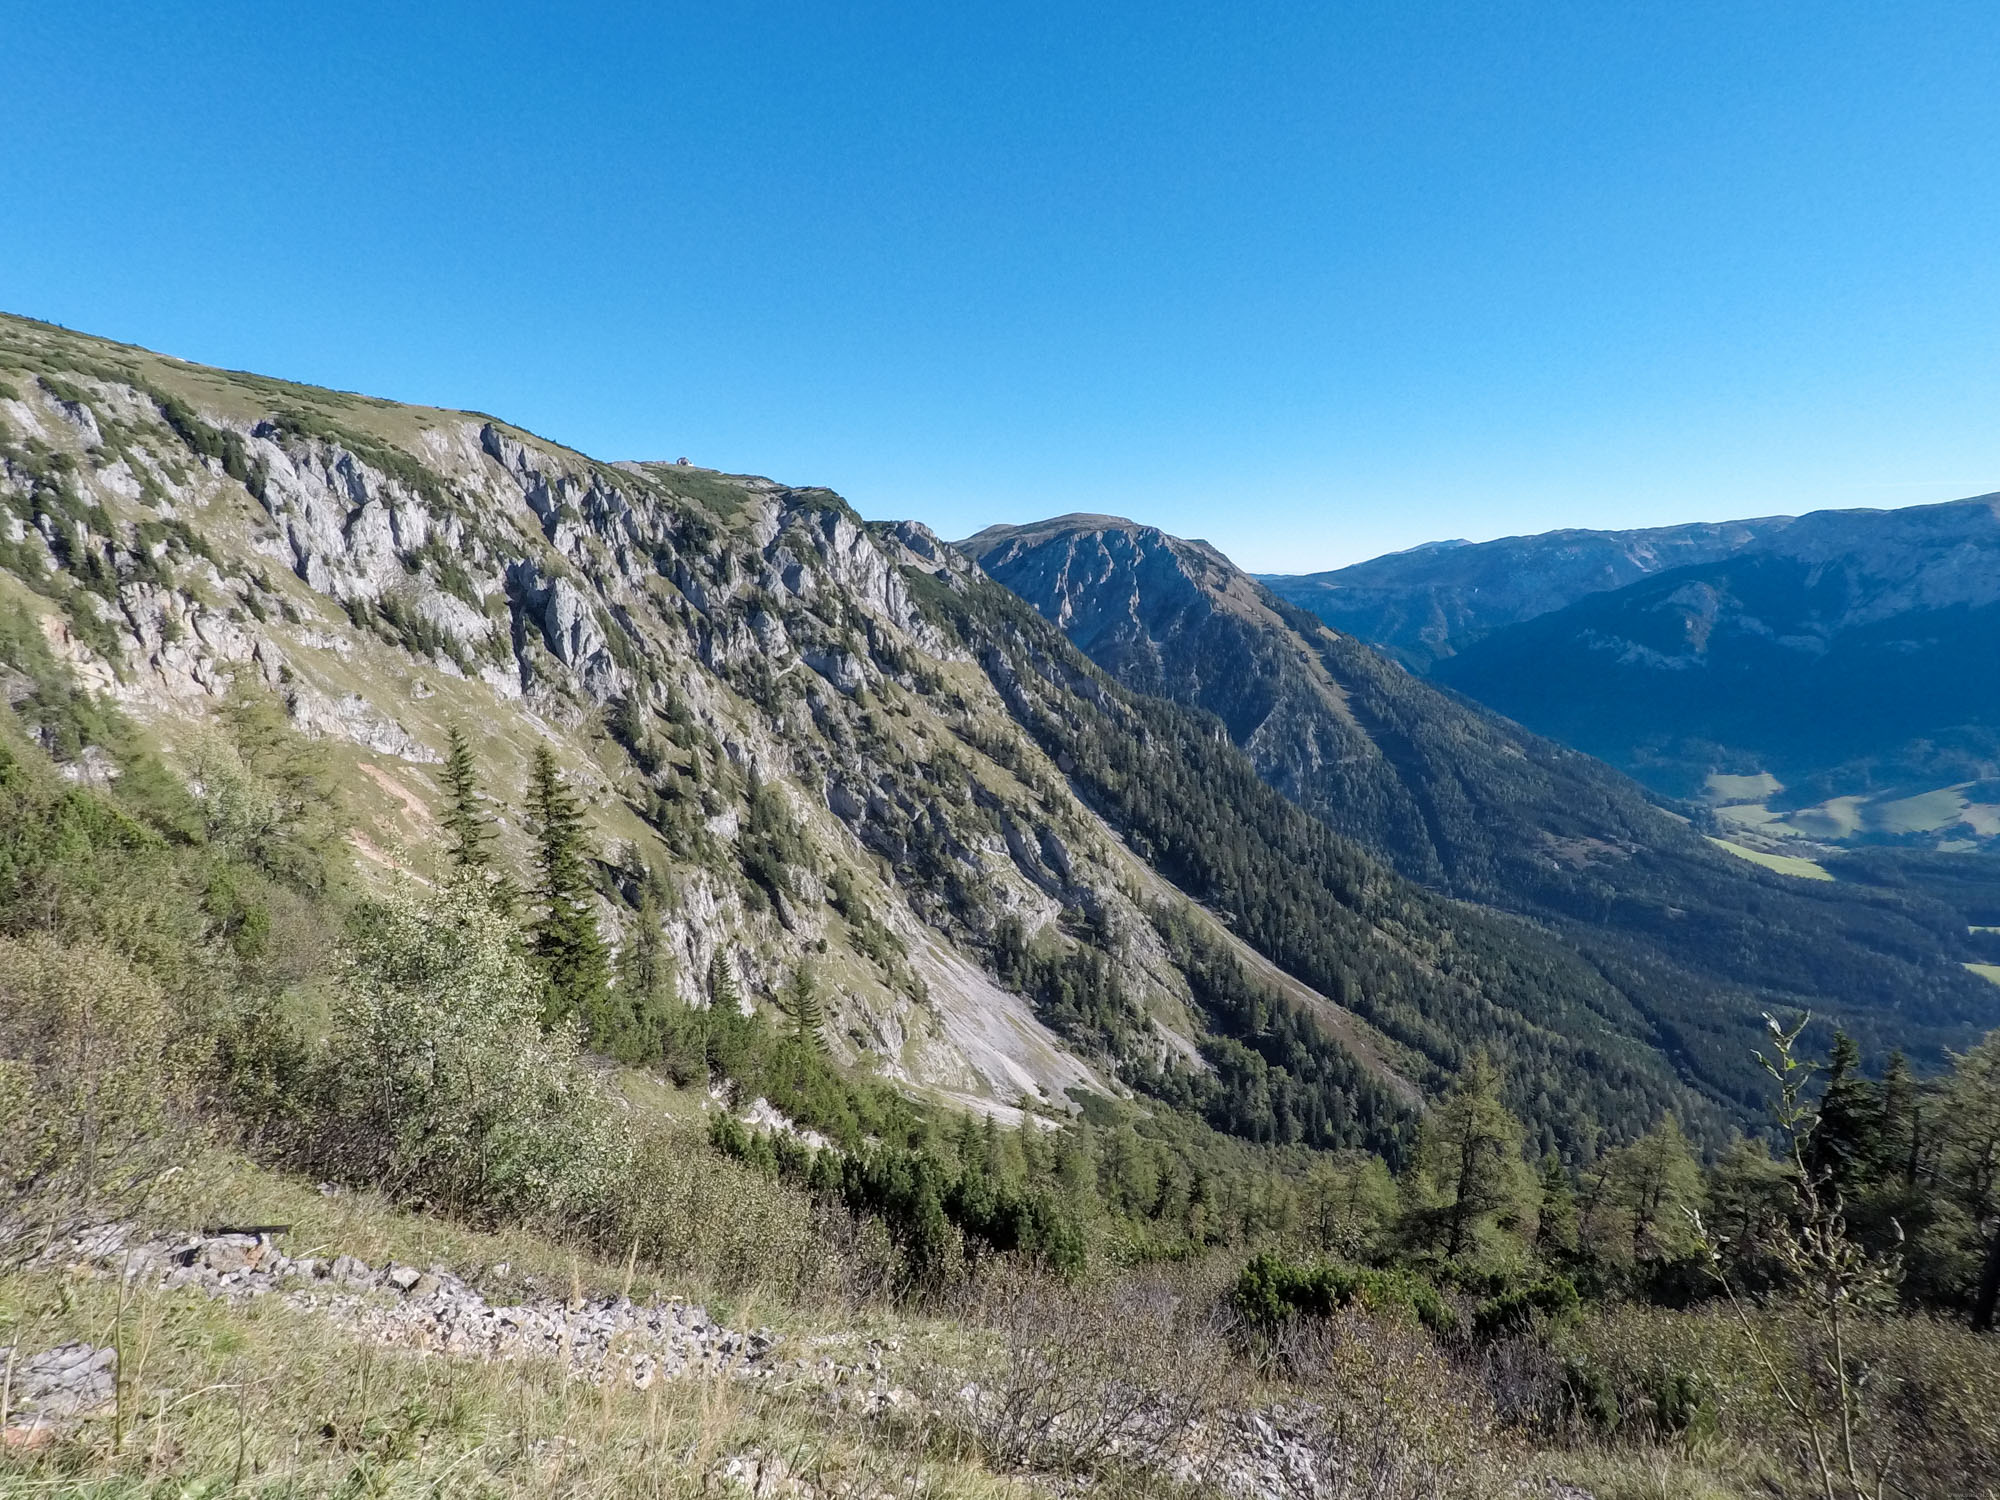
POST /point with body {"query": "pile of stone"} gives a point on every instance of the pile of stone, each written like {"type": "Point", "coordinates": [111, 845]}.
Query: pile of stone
{"type": "Point", "coordinates": [435, 1311]}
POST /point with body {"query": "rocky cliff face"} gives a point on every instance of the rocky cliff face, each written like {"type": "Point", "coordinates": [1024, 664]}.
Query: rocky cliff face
{"type": "Point", "coordinates": [1428, 603]}
{"type": "Point", "coordinates": [825, 742]}
{"type": "Point", "coordinates": [1177, 619]}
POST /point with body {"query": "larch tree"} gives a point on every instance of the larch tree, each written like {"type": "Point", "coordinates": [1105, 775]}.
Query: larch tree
{"type": "Point", "coordinates": [1653, 1182]}
{"type": "Point", "coordinates": [1468, 1160]}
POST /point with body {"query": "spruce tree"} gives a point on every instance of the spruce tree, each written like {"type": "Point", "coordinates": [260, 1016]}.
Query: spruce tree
{"type": "Point", "coordinates": [802, 1008]}
{"type": "Point", "coordinates": [567, 943]}
{"type": "Point", "coordinates": [1902, 1123]}
{"type": "Point", "coordinates": [1970, 1162]}
{"type": "Point", "coordinates": [643, 1010]}
{"type": "Point", "coordinates": [1847, 1140]}
{"type": "Point", "coordinates": [729, 1037]}
{"type": "Point", "coordinates": [1556, 1222]}
{"type": "Point", "coordinates": [723, 994]}
{"type": "Point", "coordinates": [465, 821]}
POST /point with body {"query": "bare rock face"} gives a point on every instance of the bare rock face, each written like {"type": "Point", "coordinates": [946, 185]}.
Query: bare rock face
{"type": "Point", "coordinates": [70, 1381]}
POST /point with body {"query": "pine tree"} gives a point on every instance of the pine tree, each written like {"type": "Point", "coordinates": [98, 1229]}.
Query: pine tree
{"type": "Point", "coordinates": [465, 821]}
{"type": "Point", "coordinates": [567, 943]}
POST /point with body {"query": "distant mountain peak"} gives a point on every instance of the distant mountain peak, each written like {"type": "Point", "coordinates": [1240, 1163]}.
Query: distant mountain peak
{"type": "Point", "coordinates": [1075, 521]}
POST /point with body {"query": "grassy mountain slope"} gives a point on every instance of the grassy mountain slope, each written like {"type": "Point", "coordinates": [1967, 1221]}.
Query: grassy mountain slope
{"type": "Point", "coordinates": [1695, 941]}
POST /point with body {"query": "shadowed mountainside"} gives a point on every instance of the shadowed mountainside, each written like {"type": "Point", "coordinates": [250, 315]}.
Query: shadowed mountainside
{"type": "Point", "coordinates": [1462, 800]}
{"type": "Point", "coordinates": [1427, 603]}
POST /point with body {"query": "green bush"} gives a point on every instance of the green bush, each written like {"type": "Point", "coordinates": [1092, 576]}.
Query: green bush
{"type": "Point", "coordinates": [1273, 1290]}
{"type": "Point", "coordinates": [1545, 1304]}
{"type": "Point", "coordinates": [1680, 1401]}
{"type": "Point", "coordinates": [1589, 1397]}
{"type": "Point", "coordinates": [438, 1083]}
{"type": "Point", "coordinates": [93, 1094]}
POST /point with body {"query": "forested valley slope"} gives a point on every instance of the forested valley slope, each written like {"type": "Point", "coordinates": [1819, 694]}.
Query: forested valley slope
{"type": "Point", "coordinates": [1137, 1040]}
{"type": "Point", "coordinates": [1697, 941]}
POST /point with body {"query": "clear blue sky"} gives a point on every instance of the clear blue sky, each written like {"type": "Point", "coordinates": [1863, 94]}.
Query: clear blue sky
{"type": "Point", "coordinates": [1313, 281]}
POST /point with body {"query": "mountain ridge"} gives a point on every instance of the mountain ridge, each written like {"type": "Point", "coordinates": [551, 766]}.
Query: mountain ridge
{"type": "Point", "coordinates": [837, 745]}
{"type": "Point", "coordinates": [1449, 793]}
{"type": "Point", "coordinates": [829, 743]}
{"type": "Point", "coordinates": [1423, 604]}
{"type": "Point", "coordinates": [1847, 658]}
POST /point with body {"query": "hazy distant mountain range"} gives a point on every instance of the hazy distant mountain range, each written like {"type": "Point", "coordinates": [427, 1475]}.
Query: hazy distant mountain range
{"type": "Point", "coordinates": [1833, 678]}
{"type": "Point", "coordinates": [1431, 601]}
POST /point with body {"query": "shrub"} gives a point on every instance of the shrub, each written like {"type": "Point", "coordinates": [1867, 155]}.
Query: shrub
{"type": "Point", "coordinates": [1273, 1290]}
{"type": "Point", "coordinates": [689, 1210]}
{"type": "Point", "coordinates": [1589, 1398]}
{"type": "Point", "coordinates": [1382, 1413]}
{"type": "Point", "coordinates": [1089, 1382]}
{"type": "Point", "coordinates": [91, 1093]}
{"type": "Point", "coordinates": [438, 1083]}
{"type": "Point", "coordinates": [1547, 1303]}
